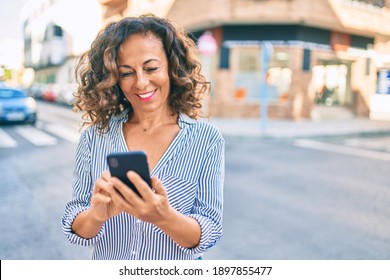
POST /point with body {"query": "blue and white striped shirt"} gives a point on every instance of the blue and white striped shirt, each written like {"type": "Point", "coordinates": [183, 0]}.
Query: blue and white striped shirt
{"type": "Point", "coordinates": [191, 170]}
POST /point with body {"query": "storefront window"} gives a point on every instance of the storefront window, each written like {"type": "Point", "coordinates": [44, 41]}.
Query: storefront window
{"type": "Point", "coordinates": [279, 82]}
{"type": "Point", "coordinates": [329, 82]}
{"type": "Point", "coordinates": [249, 61]}
{"type": "Point", "coordinates": [246, 66]}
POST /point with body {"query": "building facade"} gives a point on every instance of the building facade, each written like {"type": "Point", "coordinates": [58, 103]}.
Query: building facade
{"type": "Point", "coordinates": [56, 32]}
{"type": "Point", "coordinates": [326, 53]}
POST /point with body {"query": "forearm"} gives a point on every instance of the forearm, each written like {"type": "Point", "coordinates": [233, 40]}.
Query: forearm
{"type": "Point", "coordinates": [85, 225]}
{"type": "Point", "coordinates": [184, 230]}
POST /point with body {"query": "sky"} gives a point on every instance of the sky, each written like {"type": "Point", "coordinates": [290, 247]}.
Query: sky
{"type": "Point", "coordinates": [82, 29]}
{"type": "Point", "coordinates": [10, 26]}
{"type": "Point", "coordinates": [10, 33]}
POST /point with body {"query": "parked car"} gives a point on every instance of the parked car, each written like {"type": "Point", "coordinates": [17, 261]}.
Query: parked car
{"type": "Point", "coordinates": [36, 90]}
{"type": "Point", "coordinates": [50, 92]}
{"type": "Point", "coordinates": [66, 94]}
{"type": "Point", "coordinates": [17, 106]}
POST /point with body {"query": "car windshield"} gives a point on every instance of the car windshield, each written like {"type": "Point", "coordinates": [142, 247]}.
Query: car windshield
{"type": "Point", "coordinates": [10, 93]}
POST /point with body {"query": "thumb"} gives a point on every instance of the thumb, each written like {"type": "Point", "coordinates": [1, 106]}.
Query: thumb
{"type": "Point", "coordinates": [158, 187]}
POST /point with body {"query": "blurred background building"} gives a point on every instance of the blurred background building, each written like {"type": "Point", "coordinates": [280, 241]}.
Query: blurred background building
{"type": "Point", "coordinates": [56, 32]}
{"type": "Point", "coordinates": [324, 54]}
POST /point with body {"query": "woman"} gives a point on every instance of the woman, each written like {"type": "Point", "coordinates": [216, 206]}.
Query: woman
{"type": "Point", "coordinates": [141, 88]}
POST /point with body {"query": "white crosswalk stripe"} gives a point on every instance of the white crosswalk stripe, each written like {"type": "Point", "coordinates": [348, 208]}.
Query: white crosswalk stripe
{"type": "Point", "coordinates": [43, 134]}
{"type": "Point", "coordinates": [6, 141]}
{"type": "Point", "coordinates": [64, 132]}
{"type": "Point", "coordinates": [36, 136]}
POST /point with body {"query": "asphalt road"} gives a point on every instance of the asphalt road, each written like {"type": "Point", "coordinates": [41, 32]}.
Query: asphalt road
{"type": "Point", "coordinates": [282, 200]}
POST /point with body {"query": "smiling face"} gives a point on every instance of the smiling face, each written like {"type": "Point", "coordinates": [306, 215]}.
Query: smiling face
{"type": "Point", "coordinates": [143, 70]}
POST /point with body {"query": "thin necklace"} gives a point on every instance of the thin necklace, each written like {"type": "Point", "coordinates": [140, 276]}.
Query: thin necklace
{"type": "Point", "coordinates": [147, 129]}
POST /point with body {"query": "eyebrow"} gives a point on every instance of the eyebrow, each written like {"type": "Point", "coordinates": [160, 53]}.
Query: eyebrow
{"type": "Point", "coordinates": [145, 62]}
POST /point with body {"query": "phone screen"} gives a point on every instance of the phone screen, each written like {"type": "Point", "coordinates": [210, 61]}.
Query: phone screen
{"type": "Point", "coordinates": [120, 163]}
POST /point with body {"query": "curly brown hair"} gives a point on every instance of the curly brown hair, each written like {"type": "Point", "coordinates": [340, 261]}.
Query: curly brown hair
{"type": "Point", "coordinates": [99, 94]}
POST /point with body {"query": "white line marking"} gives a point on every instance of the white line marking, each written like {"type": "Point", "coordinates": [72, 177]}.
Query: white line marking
{"type": "Point", "coordinates": [35, 136]}
{"type": "Point", "coordinates": [311, 144]}
{"type": "Point", "coordinates": [64, 132]}
{"type": "Point", "coordinates": [6, 141]}
{"type": "Point", "coordinates": [374, 143]}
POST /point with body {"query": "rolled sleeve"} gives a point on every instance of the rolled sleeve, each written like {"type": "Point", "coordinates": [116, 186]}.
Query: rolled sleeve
{"type": "Point", "coordinates": [208, 207]}
{"type": "Point", "coordinates": [82, 192]}
{"type": "Point", "coordinates": [67, 221]}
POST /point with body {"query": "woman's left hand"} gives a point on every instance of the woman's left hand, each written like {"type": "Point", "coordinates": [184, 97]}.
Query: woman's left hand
{"type": "Point", "coordinates": [153, 205]}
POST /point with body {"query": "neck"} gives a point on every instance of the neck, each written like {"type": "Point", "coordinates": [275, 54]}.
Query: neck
{"type": "Point", "coordinates": [150, 121]}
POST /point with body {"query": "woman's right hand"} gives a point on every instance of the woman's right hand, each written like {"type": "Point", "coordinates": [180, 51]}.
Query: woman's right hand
{"type": "Point", "coordinates": [102, 205]}
{"type": "Point", "coordinates": [88, 223]}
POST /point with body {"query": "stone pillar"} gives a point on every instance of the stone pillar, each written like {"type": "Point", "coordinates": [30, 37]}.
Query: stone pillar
{"type": "Point", "coordinates": [223, 89]}
{"type": "Point", "coordinates": [302, 103]}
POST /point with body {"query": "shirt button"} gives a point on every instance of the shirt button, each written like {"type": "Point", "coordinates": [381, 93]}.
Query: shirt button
{"type": "Point", "coordinates": [138, 221]}
{"type": "Point", "coordinates": [134, 253]}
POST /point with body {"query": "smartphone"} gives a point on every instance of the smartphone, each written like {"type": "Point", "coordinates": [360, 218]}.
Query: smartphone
{"type": "Point", "coordinates": [120, 163]}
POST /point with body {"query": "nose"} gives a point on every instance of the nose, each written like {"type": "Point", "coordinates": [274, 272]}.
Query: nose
{"type": "Point", "coordinates": [141, 81]}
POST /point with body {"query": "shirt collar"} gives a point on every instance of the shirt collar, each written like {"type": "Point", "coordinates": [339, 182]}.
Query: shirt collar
{"type": "Point", "coordinates": [122, 117]}
{"type": "Point", "coordinates": [185, 120]}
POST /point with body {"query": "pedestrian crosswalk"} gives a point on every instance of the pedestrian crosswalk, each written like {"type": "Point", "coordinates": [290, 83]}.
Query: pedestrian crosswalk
{"type": "Point", "coordinates": [6, 140]}
{"type": "Point", "coordinates": [36, 136]}
{"type": "Point", "coordinates": [67, 133]}
{"type": "Point", "coordinates": [43, 134]}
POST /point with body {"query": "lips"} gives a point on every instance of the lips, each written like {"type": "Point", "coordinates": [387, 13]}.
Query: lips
{"type": "Point", "coordinates": [147, 96]}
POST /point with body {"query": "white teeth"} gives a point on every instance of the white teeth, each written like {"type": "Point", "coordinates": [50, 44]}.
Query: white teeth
{"type": "Point", "coordinates": [146, 95]}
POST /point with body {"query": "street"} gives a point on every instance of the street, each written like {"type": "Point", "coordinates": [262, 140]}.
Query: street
{"type": "Point", "coordinates": [283, 199]}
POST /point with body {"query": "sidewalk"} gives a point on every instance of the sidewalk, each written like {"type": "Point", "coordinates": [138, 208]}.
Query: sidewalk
{"type": "Point", "coordinates": [296, 129]}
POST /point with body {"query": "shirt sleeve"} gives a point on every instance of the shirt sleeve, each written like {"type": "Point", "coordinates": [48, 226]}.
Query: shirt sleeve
{"type": "Point", "coordinates": [208, 209]}
{"type": "Point", "coordinates": [82, 192]}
